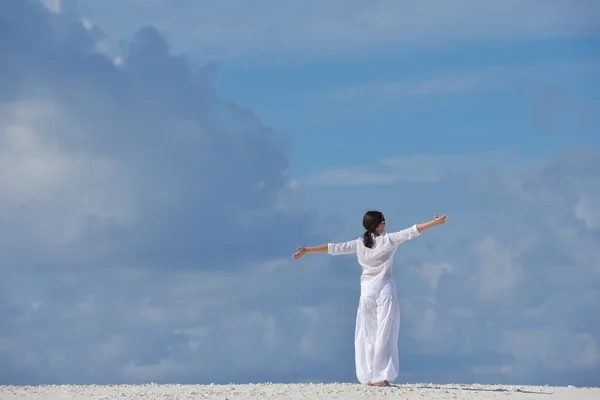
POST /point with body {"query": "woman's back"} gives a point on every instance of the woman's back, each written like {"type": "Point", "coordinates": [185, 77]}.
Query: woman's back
{"type": "Point", "coordinates": [376, 261]}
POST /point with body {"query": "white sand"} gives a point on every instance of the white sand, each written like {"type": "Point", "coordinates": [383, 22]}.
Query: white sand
{"type": "Point", "coordinates": [297, 391]}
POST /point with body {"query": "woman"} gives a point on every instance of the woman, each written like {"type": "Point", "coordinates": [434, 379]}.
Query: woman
{"type": "Point", "coordinates": [378, 315]}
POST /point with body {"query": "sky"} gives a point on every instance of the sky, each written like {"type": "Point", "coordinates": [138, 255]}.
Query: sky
{"type": "Point", "coordinates": [161, 160]}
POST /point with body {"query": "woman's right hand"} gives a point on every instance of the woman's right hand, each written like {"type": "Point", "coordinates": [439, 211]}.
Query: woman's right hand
{"type": "Point", "coordinates": [300, 253]}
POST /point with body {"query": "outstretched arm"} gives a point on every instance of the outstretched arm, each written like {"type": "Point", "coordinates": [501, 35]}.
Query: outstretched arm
{"type": "Point", "coordinates": [430, 224]}
{"type": "Point", "coordinates": [302, 251]}
{"type": "Point", "coordinates": [333, 249]}
{"type": "Point", "coordinates": [415, 230]}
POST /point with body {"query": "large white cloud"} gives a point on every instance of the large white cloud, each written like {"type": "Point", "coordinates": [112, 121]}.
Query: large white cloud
{"type": "Point", "coordinates": [126, 148]}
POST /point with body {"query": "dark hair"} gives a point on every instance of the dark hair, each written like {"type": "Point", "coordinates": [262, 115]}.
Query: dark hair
{"type": "Point", "coordinates": [371, 221]}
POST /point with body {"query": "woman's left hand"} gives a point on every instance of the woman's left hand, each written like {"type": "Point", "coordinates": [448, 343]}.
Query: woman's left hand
{"type": "Point", "coordinates": [440, 220]}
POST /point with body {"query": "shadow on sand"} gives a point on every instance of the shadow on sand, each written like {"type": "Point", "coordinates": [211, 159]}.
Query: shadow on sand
{"type": "Point", "coordinates": [499, 390]}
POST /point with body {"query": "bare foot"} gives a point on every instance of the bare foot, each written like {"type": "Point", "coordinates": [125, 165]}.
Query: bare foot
{"type": "Point", "coordinates": [379, 384]}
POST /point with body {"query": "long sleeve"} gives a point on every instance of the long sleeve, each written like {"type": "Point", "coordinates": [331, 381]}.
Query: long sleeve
{"type": "Point", "coordinates": [336, 249]}
{"type": "Point", "coordinates": [404, 235]}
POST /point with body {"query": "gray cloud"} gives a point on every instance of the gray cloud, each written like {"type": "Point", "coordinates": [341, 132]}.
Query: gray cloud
{"type": "Point", "coordinates": [135, 147]}
{"type": "Point", "coordinates": [144, 218]}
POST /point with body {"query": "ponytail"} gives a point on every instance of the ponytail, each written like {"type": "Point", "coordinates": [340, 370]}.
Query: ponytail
{"type": "Point", "coordinates": [368, 239]}
{"type": "Point", "coordinates": [371, 221]}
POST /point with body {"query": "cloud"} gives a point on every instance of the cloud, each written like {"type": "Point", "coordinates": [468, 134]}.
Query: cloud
{"type": "Point", "coordinates": [108, 150]}
{"type": "Point", "coordinates": [234, 29]}
{"type": "Point", "coordinates": [146, 222]}
{"type": "Point", "coordinates": [531, 79]}
{"type": "Point", "coordinates": [438, 85]}
{"type": "Point", "coordinates": [418, 168]}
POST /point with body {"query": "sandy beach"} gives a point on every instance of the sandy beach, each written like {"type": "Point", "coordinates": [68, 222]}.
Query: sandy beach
{"type": "Point", "coordinates": [297, 391]}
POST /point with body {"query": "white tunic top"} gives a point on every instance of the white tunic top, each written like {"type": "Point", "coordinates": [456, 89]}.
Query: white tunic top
{"type": "Point", "coordinates": [376, 262]}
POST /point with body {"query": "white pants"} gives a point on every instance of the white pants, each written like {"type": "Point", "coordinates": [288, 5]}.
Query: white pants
{"type": "Point", "coordinates": [376, 336]}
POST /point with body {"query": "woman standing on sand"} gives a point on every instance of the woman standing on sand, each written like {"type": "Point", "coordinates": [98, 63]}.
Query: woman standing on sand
{"type": "Point", "coordinates": [378, 315]}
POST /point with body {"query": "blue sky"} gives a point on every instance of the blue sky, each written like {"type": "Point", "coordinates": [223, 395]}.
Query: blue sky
{"type": "Point", "coordinates": [151, 201]}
